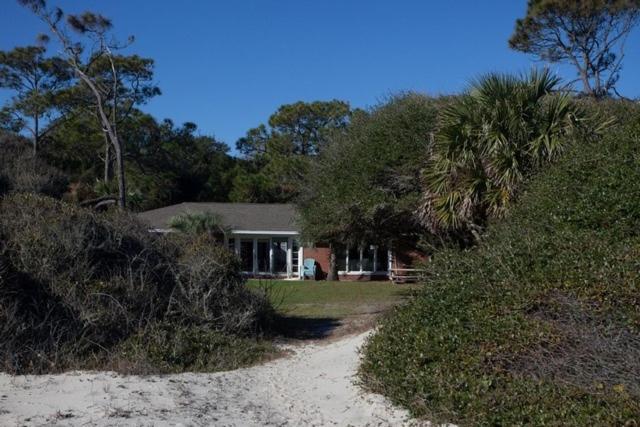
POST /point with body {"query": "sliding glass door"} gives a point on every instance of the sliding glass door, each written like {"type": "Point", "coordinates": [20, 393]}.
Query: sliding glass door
{"type": "Point", "coordinates": [279, 248]}
{"type": "Point", "coordinates": [263, 256]}
{"type": "Point", "coordinates": [246, 255]}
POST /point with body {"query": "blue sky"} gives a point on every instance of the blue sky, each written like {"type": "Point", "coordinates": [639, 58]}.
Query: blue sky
{"type": "Point", "coordinates": [227, 65]}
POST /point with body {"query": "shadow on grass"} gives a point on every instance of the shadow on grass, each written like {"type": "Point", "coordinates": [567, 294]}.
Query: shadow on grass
{"type": "Point", "coordinates": [305, 328]}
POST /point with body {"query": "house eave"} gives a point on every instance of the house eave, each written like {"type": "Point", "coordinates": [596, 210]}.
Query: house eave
{"type": "Point", "coordinates": [264, 232]}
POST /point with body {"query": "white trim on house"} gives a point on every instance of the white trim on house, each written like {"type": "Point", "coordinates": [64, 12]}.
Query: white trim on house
{"type": "Point", "coordinates": [269, 237]}
{"type": "Point", "coordinates": [361, 272]}
{"type": "Point", "coordinates": [265, 233]}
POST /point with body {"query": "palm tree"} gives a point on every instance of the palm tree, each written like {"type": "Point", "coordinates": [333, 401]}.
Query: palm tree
{"type": "Point", "coordinates": [198, 223]}
{"type": "Point", "coordinates": [488, 140]}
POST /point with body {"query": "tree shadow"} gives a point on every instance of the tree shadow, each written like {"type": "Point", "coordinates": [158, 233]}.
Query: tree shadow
{"type": "Point", "coordinates": [305, 328]}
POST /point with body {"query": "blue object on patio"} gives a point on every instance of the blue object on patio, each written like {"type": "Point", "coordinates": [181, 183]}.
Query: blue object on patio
{"type": "Point", "coordinates": [309, 268]}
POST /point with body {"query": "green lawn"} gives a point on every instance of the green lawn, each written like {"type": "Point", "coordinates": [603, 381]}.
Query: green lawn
{"type": "Point", "coordinates": [315, 299]}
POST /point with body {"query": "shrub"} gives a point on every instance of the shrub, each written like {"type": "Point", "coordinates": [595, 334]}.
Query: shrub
{"type": "Point", "coordinates": [167, 347]}
{"type": "Point", "coordinates": [21, 172]}
{"type": "Point", "coordinates": [81, 282]}
{"type": "Point", "coordinates": [211, 290]}
{"type": "Point", "coordinates": [539, 324]}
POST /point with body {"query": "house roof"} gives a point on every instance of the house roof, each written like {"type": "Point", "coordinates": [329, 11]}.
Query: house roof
{"type": "Point", "coordinates": [235, 216]}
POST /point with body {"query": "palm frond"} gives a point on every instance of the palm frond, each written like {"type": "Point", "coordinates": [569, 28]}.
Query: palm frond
{"type": "Point", "coordinates": [488, 140]}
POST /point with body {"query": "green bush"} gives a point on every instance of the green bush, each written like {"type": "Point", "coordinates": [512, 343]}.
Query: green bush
{"type": "Point", "coordinates": [540, 323]}
{"type": "Point", "coordinates": [167, 347]}
{"type": "Point", "coordinates": [77, 283]}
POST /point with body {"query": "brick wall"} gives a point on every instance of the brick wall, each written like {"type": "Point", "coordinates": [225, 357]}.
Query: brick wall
{"type": "Point", "coordinates": [321, 255]}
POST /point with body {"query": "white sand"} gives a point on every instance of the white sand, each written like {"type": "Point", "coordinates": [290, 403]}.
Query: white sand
{"type": "Point", "coordinates": [312, 387]}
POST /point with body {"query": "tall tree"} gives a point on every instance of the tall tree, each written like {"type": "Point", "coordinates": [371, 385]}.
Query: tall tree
{"type": "Point", "coordinates": [134, 87]}
{"type": "Point", "coordinates": [36, 81]}
{"type": "Point", "coordinates": [307, 125]}
{"type": "Point", "coordinates": [589, 34]}
{"type": "Point", "coordinates": [364, 187]}
{"type": "Point", "coordinates": [279, 155]}
{"type": "Point", "coordinates": [93, 43]}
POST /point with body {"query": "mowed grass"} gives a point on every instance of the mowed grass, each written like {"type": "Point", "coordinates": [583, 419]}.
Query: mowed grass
{"type": "Point", "coordinates": [336, 300]}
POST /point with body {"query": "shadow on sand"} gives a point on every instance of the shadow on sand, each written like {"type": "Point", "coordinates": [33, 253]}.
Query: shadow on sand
{"type": "Point", "coordinates": [305, 328]}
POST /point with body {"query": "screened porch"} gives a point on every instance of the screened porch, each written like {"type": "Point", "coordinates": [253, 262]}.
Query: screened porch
{"type": "Point", "coordinates": [267, 255]}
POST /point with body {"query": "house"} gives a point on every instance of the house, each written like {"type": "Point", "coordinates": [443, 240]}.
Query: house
{"type": "Point", "coordinates": [268, 242]}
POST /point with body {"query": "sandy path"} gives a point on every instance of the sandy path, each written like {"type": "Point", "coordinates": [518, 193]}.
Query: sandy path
{"type": "Point", "coordinates": [312, 387]}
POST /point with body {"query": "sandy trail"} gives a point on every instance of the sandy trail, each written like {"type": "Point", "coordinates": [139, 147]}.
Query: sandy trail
{"type": "Point", "coordinates": [312, 387]}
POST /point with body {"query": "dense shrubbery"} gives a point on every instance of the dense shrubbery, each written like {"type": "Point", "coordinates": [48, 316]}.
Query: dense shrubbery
{"type": "Point", "coordinates": [78, 286]}
{"type": "Point", "coordinates": [20, 171]}
{"type": "Point", "coordinates": [540, 323]}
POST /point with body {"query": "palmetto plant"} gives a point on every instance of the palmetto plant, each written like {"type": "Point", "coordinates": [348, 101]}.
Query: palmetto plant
{"type": "Point", "coordinates": [198, 223]}
{"type": "Point", "coordinates": [488, 140]}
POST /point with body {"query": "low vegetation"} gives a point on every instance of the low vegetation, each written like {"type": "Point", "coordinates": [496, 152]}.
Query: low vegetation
{"type": "Point", "coordinates": [539, 324]}
{"type": "Point", "coordinates": [21, 171]}
{"type": "Point", "coordinates": [333, 299]}
{"type": "Point", "coordinates": [81, 289]}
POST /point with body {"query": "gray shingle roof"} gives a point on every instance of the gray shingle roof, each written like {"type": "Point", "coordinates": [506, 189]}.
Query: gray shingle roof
{"type": "Point", "coordinates": [236, 216]}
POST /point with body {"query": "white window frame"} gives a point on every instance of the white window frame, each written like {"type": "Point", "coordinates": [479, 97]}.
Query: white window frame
{"type": "Point", "coordinates": [362, 272]}
{"type": "Point", "coordinates": [290, 236]}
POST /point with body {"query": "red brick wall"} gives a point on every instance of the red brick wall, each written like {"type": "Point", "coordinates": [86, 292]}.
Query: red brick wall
{"type": "Point", "coordinates": [407, 257]}
{"type": "Point", "coordinates": [321, 255]}
{"type": "Point", "coordinates": [404, 257]}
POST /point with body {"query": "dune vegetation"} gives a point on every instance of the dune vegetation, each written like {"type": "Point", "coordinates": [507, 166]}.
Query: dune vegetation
{"type": "Point", "coordinates": [82, 289]}
{"type": "Point", "coordinates": [538, 323]}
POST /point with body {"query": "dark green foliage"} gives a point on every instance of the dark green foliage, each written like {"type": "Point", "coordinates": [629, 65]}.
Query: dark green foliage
{"type": "Point", "coordinates": [199, 223]}
{"type": "Point", "coordinates": [488, 141]}
{"type": "Point", "coordinates": [36, 82]}
{"type": "Point", "coordinates": [278, 157]}
{"type": "Point", "coordinates": [538, 324]}
{"type": "Point", "coordinates": [166, 164]}
{"type": "Point", "coordinates": [365, 186]}
{"type": "Point", "coordinates": [170, 164]}
{"type": "Point", "coordinates": [78, 283]}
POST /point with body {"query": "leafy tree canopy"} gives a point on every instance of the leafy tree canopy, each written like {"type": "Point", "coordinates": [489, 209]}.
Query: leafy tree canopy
{"type": "Point", "coordinates": [364, 187]}
{"type": "Point", "coordinates": [280, 154]}
{"type": "Point", "coordinates": [36, 82]}
{"type": "Point", "coordinates": [588, 34]}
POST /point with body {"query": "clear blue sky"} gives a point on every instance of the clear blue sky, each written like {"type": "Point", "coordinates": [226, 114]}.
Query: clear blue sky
{"type": "Point", "coordinates": [227, 65]}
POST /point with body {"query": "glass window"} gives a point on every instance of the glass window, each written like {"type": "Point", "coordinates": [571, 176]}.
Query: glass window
{"type": "Point", "coordinates": [279, 247]}
{"type": "Point", "coordinates": [231, 244]}
{"type": "Point", "coordinates": [246, 255]}
{"type": "Point", "coordinates": [382, 259]}
{"type": "Point", "coordinates": [263, 256]}
{"type": "Point", "coordinates": [341, 258]}
{"type": "Point", "coordinates": [354, 259]}
{"type": "Point", "coordinates": [295, 247]}
{"type": "Point", "coordinates": [367, 258]}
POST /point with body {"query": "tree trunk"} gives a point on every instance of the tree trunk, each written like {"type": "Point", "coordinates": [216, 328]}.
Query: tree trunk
{"type": "Point", "coordinates": [112, 135]}
{"type": "Point", "coordinates": [122, 193]}
{"type": "Point", "coordinates": [108, 173]}
{"type": "Point", "coordinates": [36, 135]}
{"type": "Point", "coordinates": [332, 274]}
